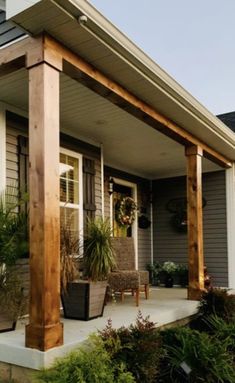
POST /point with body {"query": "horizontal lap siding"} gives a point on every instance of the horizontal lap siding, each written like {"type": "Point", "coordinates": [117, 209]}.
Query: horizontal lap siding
{"type": "Point", "coordinates": [170, 245]}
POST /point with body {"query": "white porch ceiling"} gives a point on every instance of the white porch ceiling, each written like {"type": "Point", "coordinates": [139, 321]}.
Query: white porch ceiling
{"type": "Point", "coordinates": [129, 144]}
{"type": "Point", "coordinates": [103, 45]}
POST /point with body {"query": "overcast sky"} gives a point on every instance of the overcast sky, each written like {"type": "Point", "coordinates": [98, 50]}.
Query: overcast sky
{"type": "Point", "coordinates": [193, 40]}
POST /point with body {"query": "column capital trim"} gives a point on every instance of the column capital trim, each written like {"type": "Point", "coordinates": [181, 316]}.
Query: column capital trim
{"type": "Point", "coordinates": [194, 150]}
{"type": "Point", "coordinates": [43, 54]}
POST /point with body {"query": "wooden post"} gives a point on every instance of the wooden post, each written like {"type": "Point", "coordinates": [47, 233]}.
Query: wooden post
{"type": "Point", "coordinates": [44, 330]}
{"type": "Point", "coordinates": [195, 222]}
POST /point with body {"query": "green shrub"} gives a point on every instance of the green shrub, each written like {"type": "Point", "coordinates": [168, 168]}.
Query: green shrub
{"type": "Point", "coordinates": [205, 357]}
{"type": "Point", "coordinates": [223, 331]}
{"type": "Point", "coordinates": [91, 364]}
{"type": "Point", "coordinates": [138, 346]}
{"type": "Point", "coordinates": [218, 302]}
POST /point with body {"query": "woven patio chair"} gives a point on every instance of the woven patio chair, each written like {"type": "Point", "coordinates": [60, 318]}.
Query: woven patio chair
{"type": "Point", "coordinates": [125, 277]}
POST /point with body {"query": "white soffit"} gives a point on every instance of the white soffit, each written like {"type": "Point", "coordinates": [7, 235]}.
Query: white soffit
{"type": "Point", "coordinates": [125, 63]}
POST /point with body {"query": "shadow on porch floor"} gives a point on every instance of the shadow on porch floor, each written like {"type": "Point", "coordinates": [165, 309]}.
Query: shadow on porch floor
{"type": "Point", "coordinates": [164, 306]}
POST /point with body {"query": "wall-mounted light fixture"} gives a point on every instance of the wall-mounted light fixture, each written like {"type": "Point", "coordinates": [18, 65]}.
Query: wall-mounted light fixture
{"type": "Point", "coordinates": [111, 184]}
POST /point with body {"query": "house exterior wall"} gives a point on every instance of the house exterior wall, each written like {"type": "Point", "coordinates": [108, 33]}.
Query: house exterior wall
{"type": "Point", "coordinates": [172, 245]}
{"type": "Point", "coordinates": [15, 128]}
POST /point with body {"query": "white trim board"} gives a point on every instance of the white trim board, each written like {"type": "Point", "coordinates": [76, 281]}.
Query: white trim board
{"type": "Point", "coordinates": [79, 156]}
{"type": "Point", "coordinates": [2, 148]}
{"type": "Point", "coordinates": [230, 200]}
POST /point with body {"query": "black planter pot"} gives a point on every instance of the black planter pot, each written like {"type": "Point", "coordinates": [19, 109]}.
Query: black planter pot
{"type": "Point", "coordinates": [169, 281]}
{"type": "Point", "coordinates": [6, 324]}
{"type": "Point", "coordinates": [84, 300]}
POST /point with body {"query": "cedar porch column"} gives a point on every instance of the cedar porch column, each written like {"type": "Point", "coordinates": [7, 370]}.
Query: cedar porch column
{"type": "Point", "coordinates": [195, 221]}
{"type": "Point", "coordinates": [44, 330]}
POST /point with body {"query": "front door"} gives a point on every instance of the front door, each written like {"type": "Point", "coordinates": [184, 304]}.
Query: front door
{"type": "Point", "coordinates": [120, 191]}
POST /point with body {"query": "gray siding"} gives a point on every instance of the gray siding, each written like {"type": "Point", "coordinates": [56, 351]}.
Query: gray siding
{"type": "Point", "coordinates": [8, 31]}
{"type": "Point", "coordinates": [171, 245]}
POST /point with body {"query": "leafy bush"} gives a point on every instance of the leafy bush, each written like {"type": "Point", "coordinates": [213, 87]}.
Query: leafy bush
{"type": "Point", "coordinates": [154, 272]}
{"type": "Point", "coordinates": [138, 346]}
{"type": "Point", "coordinates": [218, 302]}
{"type": "Point", "coordinates": [86, 365]}
{"type": "Point", "coordinates": [223, 331]}
{"type": "Point", "coordinates": [195, 357]}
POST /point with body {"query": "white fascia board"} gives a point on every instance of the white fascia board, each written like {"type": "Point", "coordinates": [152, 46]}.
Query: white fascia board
{"type": "Point", "coordinates": [2, 148]}
{"type": "Point", "coordinates": [230, 200]}
{"type": "Point", "coordinates": [13, 7]}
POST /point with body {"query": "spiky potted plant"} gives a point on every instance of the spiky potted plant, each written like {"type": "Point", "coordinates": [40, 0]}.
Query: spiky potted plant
{"type": "Point", "coordinates": [87, 296]}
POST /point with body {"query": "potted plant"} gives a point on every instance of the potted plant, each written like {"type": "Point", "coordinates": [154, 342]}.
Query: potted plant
{"type": "Point", "coordinates": [169, 269]}
{"type": "Point", "coordinates": [182, 271]}
{"type": "Point", "coordinates": [13, 301]}
{"type": "Point", "coordinates": [84, 299]}
{"type": "Point", "coordinates": [13, 245]}
{"type": "Point", "coordinates": [154, 269]}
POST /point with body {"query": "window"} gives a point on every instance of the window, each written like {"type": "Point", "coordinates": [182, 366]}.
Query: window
{"type": "Point", "coordinates": [71, 206]}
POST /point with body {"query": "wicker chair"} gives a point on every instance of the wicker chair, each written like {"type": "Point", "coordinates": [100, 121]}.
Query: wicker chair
{"type": "Point", "coordinates": [125, 277]}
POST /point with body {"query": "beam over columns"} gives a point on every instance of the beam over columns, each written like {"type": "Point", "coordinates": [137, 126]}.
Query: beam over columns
{"type": "Point", "coordinates": [44, 330]}
{"type": "Point", "coordinates": [195, 221]}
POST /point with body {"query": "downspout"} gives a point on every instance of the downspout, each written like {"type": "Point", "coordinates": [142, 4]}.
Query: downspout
{"type": "Point", "coordinates": [102, 178]}
{"type": "Point", "coordinates": [2, 148]}
{"type": "Point", "coordinates": [151, 219]}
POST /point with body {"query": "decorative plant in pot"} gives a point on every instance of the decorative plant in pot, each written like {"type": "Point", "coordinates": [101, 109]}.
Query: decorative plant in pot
{"type": "Point", "coordinates": [169, 269]}
{"type": "Point", "coordinates": [13, 245]}
{"type": "Point", "coordinates": [98, 260]}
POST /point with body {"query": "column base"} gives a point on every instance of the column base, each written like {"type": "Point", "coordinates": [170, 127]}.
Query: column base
{"type": "Point", "coordinates": [194, 294]}
{"type": "Point", "coordinates": [44, 337]}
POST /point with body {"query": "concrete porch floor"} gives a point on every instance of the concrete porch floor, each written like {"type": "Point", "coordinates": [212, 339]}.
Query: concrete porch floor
{"type": "Point", "coordinates": [164, 306]}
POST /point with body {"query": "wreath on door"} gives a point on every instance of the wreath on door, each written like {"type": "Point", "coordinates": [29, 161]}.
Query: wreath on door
{"type": "Point", "coordinates": [125, 211]}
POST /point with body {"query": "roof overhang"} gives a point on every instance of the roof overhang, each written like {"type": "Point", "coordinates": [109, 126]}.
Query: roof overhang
{"type": "Point", "coordinates": [134, 69]}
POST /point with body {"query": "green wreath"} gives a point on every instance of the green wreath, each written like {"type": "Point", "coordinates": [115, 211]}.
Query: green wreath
{"type": "Point", "coordinates": [125, 211]}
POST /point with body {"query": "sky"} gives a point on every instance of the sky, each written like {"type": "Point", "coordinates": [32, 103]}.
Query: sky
{"type": "Point", "coordinates": [193, 40]}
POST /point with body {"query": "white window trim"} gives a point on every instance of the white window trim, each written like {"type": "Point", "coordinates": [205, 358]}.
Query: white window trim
{"type": "Point", "coordinates": [230, 199]}
{"type": "Point", "coordinates": [2, 147]}
{"type": "Point", "coordinates": [133, 186]}
{"type": "Point", "coordinates": [80, 182]}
